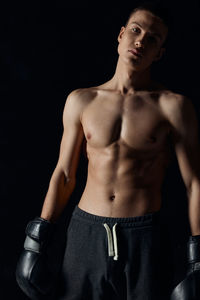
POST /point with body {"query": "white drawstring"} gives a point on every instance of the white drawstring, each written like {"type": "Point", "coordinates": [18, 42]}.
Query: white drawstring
{"type": "Point", "coordinates": [112, 249]}
{"type": "Point", "coordinates": [115, 242]}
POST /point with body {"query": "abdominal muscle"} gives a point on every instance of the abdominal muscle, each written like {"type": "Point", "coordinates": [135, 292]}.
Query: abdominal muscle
{"type": "Point", "coordinates": [123, 183]}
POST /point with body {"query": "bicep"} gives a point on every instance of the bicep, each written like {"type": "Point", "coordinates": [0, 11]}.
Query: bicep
{"type": "Point", "coordinates": [186, 140]}
{"type": "Point", "coordinates": [72, 137]}
{"type": "Point", "coordinates": [187, 153]}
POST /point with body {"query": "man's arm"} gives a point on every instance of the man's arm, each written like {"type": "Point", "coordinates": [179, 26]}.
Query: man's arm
{"type": "Point", "coordinates": [37, 268]}
{"type": "Point", "coordinates": [184, 130]}
{"type": "Point", "coordinates": [63, 179]}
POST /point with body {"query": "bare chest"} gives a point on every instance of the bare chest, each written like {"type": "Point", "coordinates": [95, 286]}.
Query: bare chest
{"type": "Point", "coordinates": [136, 122]}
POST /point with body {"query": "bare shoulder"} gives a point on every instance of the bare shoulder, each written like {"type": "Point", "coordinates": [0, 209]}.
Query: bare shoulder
{"type": "Point", "coordinates": [180, 113]}
{"type": "Point", "coordinates": [82, 95]}
{"type": "Point", "coordinates": [77, 100]}
{"type": "Point", "coordinates": [172, 104]}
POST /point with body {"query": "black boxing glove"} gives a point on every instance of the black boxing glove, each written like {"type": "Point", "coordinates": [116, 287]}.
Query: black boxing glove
{"type": "Point", "coordinates": [189, 288]}
{"type": "Point", "coordinates": [34, 273]}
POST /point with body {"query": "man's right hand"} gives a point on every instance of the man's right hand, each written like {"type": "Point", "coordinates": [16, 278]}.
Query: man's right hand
{"type": "Point", "coordinates": [33, 273]}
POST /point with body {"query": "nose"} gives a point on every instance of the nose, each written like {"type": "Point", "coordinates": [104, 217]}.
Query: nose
{"type": "Point", "coordinates": [139, 44]}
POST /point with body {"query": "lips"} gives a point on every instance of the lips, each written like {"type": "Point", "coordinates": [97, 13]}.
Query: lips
{"type": "Point", "coordinates": [135, 52]}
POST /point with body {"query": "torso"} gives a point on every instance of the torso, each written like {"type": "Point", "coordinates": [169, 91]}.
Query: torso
{"type": "Point", "coordinates": [127, 144]}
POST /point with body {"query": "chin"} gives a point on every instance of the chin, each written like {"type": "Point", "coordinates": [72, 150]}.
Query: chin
{"type": "Point", "coordinates": [137, 66]}
{"type": "Point", "coordinates": [140, 66]}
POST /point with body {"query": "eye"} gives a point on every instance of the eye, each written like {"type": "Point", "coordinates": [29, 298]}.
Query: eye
{"type": "Point", "coordinates": [136, 29]}
{"type": "Point", "coordinates": [152, 39]}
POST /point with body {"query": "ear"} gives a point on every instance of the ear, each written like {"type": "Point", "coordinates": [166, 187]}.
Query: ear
{"type": "Point", "coordinates": [121, 33]}
{"type": "Point", "coordinates": [159, 54]}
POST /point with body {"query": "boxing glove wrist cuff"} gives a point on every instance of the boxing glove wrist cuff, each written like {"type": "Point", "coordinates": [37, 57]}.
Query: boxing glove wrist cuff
{"type": "Point", "coordinates": [193, 249]}
{"type": "Point", "coordinates": [194, 238]}
{"type": "Point", "coordinates": [38, 232]}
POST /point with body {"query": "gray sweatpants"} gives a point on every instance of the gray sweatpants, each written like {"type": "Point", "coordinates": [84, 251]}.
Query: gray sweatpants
{"type": "Point", "coordinates": [116, 259]}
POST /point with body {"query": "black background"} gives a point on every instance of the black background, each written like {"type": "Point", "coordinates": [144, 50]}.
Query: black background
{"type": "Point", "coordinates": [47, 50]}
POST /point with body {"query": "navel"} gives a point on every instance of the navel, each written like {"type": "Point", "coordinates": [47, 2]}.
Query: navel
{"type": "Point", "coordinates": [112, 197]}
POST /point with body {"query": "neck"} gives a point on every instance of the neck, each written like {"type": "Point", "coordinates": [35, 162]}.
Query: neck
{"type": "Point", "coordinates": [128, 80]}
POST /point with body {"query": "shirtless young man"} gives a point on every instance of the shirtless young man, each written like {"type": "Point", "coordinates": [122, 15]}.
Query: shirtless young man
{"type": "Point", "coordinates": [128, 123]}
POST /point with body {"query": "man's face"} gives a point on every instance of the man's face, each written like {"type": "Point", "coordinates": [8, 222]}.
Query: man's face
{"type": "Point", "coordinates": [140, 42]}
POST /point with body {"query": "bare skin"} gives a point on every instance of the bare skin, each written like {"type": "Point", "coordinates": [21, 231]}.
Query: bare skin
{"type": "Point", "coordinates": [129, 124]}
{"type": "Point", "coordinates": [128, 151]}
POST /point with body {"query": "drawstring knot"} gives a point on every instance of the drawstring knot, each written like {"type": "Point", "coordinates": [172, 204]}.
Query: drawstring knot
{"type": "Point", "coordinates": [112, 241]}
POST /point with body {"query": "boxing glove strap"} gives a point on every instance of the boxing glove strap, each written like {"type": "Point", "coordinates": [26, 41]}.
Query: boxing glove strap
{"type": "Point", "coordinates": [32, 245]}
{"type": "Point", "coordinates": [193, 267]}
{"type": "Point", "coordinates": [197, 266]}
{"type": "Point", "coordinates": [39, 229]}
{"type": "Point", "coordinates": [193, 249]}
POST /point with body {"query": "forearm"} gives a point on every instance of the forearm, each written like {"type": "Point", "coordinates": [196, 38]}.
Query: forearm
{"type": "Point", "coordinates": [194, 207]}
{"type": "Point", "coordinates": [58, 194]}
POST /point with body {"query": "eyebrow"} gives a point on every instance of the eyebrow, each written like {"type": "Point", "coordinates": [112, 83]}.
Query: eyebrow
{"type": "Point", "coordinates": [152, 32]}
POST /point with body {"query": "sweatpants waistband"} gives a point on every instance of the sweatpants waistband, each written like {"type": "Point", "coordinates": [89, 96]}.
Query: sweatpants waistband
{"type": "Point", "coordinates": [138, 221]}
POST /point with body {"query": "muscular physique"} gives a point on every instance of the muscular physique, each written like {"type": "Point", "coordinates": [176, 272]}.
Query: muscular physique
{"type": "Point", "coordinates": [127, 148]}
{"type": "Point", "coordinates": [129, 123]}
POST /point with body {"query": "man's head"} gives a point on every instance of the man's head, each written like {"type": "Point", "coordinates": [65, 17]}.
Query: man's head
{"type": "Point", "coordinates": [142, 40]}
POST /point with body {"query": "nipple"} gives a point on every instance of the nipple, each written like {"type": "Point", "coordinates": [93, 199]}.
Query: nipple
{"type": "Point", "coordinates": [152, 139]}
{"type": "Point", "coordinates": [88, 136]}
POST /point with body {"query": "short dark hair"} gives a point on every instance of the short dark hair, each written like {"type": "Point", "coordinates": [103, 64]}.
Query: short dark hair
{"type": "Point", "coordinates": [159, 10]}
